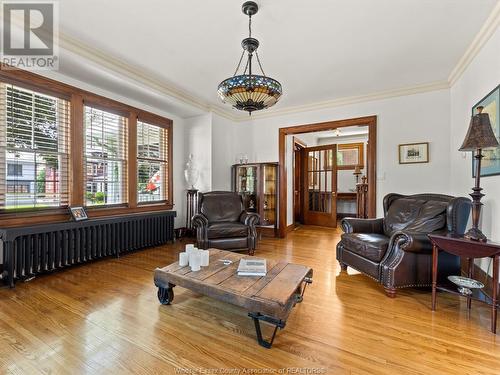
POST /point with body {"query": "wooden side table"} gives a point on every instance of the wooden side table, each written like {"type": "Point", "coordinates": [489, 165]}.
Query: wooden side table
{"type": "Point", "coordinates": [464, 248]}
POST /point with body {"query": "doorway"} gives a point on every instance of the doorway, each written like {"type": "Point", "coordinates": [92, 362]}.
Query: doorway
{"type": "Point", "coordinates": [318, 194]}
{"type": "Point", "coordinates": [319, 174]}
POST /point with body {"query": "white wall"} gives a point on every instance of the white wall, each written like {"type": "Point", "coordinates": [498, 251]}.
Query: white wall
{"type": "Point", "coordinates": [480, 77]}
{"type": "Point", "coordinates": [224, 151]}
{"type": "Point", "coordinates": [198, 142]}
{"type": "Point", "coordinates": [413, 118]}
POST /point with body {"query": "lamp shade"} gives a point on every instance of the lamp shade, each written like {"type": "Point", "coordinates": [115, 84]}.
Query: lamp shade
{"type": "Point", "coordinates": [480, 133]}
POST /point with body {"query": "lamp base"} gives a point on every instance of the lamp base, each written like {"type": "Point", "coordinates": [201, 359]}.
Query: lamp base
{"type": "Point", "coordinates": [475, 234]}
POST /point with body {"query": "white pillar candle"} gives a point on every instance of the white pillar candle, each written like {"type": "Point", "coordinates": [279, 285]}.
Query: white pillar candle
{"type": "Point", "coordinates": [205, 256]}
{"type": "Point", "coordinates": [195, 260]}
{"type": "Point", "coordinates": [183, 259]}
{"type": "Point", "coordinates": [189, 248]}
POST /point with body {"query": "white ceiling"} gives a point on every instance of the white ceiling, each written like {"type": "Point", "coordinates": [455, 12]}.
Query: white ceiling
{"type": "Point", "coordinates": [318, 49]}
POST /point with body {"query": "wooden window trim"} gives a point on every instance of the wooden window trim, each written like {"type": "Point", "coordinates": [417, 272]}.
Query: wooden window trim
{"type": "Point", "coordinates": [79, 98]}
{"type": "Point", "coordinates": [360, 146]}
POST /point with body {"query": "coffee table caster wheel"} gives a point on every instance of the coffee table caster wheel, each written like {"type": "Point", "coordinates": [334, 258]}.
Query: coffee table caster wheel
{"type": "Point", "coordinates": [165, 295]}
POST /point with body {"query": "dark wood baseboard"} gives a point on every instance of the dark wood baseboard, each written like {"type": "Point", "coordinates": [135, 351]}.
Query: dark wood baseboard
{"type": "Point", "coordinates": [267, 231]}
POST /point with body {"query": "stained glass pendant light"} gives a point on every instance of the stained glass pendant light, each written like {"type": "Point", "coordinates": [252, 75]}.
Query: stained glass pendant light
{"type": "Point", "coordinates": [248, 91]}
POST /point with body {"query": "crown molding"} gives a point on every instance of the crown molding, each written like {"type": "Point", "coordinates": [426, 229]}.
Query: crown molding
{"type": "Point", "coordinates": [136, 73]}
{"type": "Point", "coordinates": [386, 94]}
{"type": "Point", "coordinates": [487, 30]}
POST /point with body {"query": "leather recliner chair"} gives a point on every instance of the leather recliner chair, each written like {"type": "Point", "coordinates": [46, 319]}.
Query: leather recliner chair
{"type": "Point", "coordinates": [395, 250]}
{"type": "Point", "coordinates": [223, 223]}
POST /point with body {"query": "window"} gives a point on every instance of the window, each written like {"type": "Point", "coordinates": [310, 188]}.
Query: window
{"type": "Point", "coordinates": [105, 157]}
{"type": "Point", "coordinates": [14, 169]}
{"type": "Point", "coordinates": [350, 155]}
{"type": "Point", "coordinates": [34, 149]}
{"type": "Point", "coordinates": [62, 146]}
{"type": "Point", "coordinates": [152, 162]}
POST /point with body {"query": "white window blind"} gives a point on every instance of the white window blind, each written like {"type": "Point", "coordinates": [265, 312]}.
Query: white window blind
{"type": "Point", "coordinates": [34, 149]}
{"type": "Point", "coordinates": [105, 157]}
{"type": "Point", "coordinates": [152, 163]}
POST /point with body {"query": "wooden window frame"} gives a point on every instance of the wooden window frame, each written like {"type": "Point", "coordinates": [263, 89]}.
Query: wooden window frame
{"type": "Point", "coordinates": [126, 165]}
{"type": "Point", "coordinates": [167, 183]}
{"type": "Point", "coordinates": [360, 146]}
{"type": "Point", "coordinates": [78, 99]}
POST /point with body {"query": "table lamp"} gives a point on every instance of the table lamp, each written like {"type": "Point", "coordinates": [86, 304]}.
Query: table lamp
{"type": "Point", "coordinates": [480, 135]}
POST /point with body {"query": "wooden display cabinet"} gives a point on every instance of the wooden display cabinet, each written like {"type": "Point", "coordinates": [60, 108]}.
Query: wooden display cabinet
{"type": "Point", "coordinates": [257, 183]}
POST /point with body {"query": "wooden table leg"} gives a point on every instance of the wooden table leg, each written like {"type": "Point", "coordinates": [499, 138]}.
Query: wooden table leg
{"type": "Point", "coordinates": [434, 275]}
{"type": "Point", "coordinates": [470, 274]}
{"type": "Point", "coordinates": [496, 264]}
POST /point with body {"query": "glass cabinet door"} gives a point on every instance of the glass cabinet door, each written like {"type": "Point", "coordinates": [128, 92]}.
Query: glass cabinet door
{"type": "Point", "coordinates": [269, 176]}
{"type": "Point", "coordinates": [246, 185]}
{"type": "Point", "coordinates": [246, 180]}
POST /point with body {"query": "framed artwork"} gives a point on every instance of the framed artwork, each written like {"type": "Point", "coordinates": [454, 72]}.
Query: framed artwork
{"type": "Point", "coordinates": [414, 153]}
{"type": "Point", "coordinates": [490, 165]}
{"type": "Point", "coordinates": [78, 213]}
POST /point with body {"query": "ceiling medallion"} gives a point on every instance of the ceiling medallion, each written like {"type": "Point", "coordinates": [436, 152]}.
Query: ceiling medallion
{"type": "Point", "coordinates": [250, 92]}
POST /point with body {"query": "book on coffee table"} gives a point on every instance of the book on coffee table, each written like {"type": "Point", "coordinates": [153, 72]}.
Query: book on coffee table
{"type": "Point", "coordinates": [252, 267]}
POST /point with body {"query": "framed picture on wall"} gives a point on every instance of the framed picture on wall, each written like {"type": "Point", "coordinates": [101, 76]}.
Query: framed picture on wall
{"type": "Point", "coordinates": [490, 165]}
{"type": "Point", "coordinates": [414, 153]}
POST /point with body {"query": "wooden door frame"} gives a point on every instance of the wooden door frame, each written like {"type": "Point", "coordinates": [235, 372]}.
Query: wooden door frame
{"type": "Point", "coordinates": [369, 121]}
{"type": "Point", "coordinates": [302, 145]}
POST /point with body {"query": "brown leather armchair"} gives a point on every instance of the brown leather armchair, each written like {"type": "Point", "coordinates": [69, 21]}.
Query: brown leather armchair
{"type": "Point", "coordinates": [223, 223]}
{"type": "Point", "coordinates": [395, 250]}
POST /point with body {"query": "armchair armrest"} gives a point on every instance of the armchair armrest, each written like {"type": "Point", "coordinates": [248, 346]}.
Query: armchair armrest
{"type": "Point", "coordinates": [199, 220]}
{"type": "Point", "coordinates": [354, 225]}
{"type": "Point", "coordinates": [412, 242]}
{"type": "Point", "coordinates": [249, 218]}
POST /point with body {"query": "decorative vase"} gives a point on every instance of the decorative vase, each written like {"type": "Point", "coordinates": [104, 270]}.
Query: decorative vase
{"type": "Point", "coordinates": [191, 173]}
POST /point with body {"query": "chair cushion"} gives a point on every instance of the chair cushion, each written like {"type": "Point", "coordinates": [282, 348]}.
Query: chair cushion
{"type": "Point", "coordinates": [415, 215]}
{"type": "Point", "coordinates": [227, 230]}
{"type": "Point", "coordinates": [368, 245]}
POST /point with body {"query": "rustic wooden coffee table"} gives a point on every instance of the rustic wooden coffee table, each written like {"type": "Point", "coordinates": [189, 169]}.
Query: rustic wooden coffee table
{"type": "Point", "coordinates": [269, 298]}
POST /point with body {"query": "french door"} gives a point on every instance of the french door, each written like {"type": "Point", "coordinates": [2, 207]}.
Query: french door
{"type": "Point", "coordinates": [319, 171]}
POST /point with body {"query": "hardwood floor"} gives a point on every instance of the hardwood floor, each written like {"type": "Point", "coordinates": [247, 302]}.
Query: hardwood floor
{"type": "Point", "coordinates": [104, 318]}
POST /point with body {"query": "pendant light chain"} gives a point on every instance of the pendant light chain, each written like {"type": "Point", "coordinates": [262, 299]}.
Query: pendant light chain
{"type": "Point", "coordinates": [239, 63]}
{"type": "Point", "coordinates": [260, 65]}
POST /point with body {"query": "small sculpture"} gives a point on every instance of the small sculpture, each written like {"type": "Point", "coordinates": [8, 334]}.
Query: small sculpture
{"type": "Point", "coordinates": [191, 173]}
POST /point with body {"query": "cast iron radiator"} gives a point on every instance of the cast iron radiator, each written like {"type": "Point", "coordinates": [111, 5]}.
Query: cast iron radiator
{"type": "Point", "coordinates": [31, 250]}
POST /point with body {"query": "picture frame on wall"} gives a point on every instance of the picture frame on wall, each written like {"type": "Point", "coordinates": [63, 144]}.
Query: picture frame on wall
{"type": "Point", "coordinates": [78, 213]}
{"type": "Point", "coordinates": [490, 164]}
{"type": "Point", "coordinates": [414, 153]}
